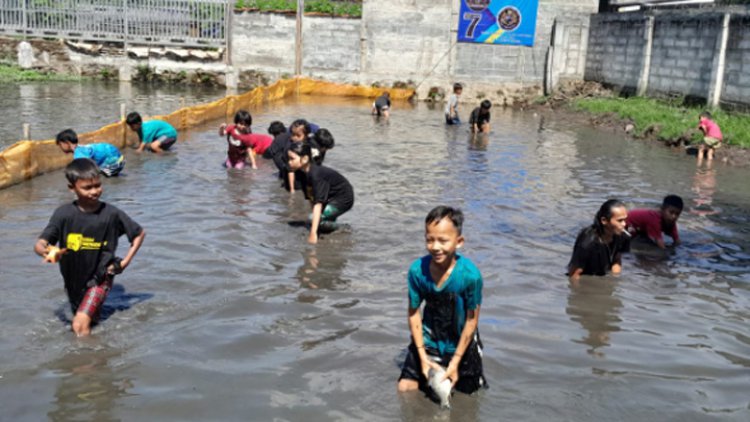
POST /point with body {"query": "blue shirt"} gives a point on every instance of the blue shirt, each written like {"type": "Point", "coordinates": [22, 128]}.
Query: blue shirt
{"type": "Point", "coordinates": [444, 314]}
{"type": "Point", "coordinates": [101, 154]}
{"type": "Point", "coordinates": [154, 129]}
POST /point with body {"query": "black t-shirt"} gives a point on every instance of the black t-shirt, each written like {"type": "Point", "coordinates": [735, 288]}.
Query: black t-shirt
{"type": "Point", "coordinates": [277, 151]}
{"type": "Point", "coordinates": [478, 117]}
{"type": "Point", "coordinates": [382, 101]}
{"type": "Point", "coordinates": [91, 240]}
{"type": "Point", "coordinates": [327, 186]}
{"type": "Point", "coordinates": [593, 256]}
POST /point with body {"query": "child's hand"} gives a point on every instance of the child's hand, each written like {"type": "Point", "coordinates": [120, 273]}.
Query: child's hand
{"type": "Point", "coordinates": [312, 239]}
{"type": "Point", "coordinates": [451, 372]}
{"type": "Point", "coordinates": [426, 365]}
{"type": "Point", "coordinates": [54, 254]}
{"type": "Point", "coordinates": [223, 129]}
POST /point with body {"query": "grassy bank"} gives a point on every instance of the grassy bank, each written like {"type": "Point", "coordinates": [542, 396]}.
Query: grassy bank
{"type": "Point", "coordinates": [672, 120]}
{"type": "Point", "coordinates": [13, 73]}
{"type": "Point", "coordinates": [350, 8]}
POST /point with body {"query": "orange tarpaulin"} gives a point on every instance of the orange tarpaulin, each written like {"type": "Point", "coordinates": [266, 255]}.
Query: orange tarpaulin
{"type": "Point", "coordinates": [26, 159]}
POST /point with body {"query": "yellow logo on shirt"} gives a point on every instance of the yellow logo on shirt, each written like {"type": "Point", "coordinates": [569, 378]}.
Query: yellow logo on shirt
{"type": "Point", "coordinates": [77, 242]}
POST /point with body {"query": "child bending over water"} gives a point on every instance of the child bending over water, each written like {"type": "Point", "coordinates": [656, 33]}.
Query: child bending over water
{"type": "Point", "coordinates": [106, 156]}
{"type": "Point", "coordinates": [241, 142]}
{"type": "Point", "coordinates": [599, 247]}
{"type": "Point", "coordinates": [653, 223]}
{"type": "Point", "coordinates": [329, 192]}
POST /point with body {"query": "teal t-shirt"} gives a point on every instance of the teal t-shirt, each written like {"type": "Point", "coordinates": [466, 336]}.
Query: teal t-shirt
{"type": "Point", "coordinates": [154, 129]}
{"type": "Point", "coordinates": [444, 314]}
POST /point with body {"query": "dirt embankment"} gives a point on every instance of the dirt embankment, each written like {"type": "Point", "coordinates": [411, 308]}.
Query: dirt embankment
{"type": "Point", "coordinates": [568, 92]}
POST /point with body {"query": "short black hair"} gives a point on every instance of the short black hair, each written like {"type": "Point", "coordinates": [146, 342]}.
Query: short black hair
{"type": "Point", "coordinates": [81, 169]}
{"type": "Point", "coordinates": [68, 135]}
{"type": "Point", "coordinates": [442, 211]}
{"type": "Point", "coordinates": [706, 114]}
{"type": "Point", "coordinates": [324, 138]}
{"type": "Point", "coordinates": [276, 128]}
{"type": "Point", "coordinates": [133, 118]}
{"type": "Point", "coordinates": [486, 104]}
{"type": "Point", "coordinates": [303, 149]}
{"type": "Point", "coordinates": [244, 117]}
{"type": "Point", "coordinates": [673, 201]}
{"type": "Point", "coordinates": [301, 122]}
{"type": "Point", "coordinates": [457, 86]}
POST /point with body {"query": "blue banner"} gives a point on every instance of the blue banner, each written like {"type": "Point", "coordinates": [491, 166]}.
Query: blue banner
{"type": "Point", "coordinates": [498, 21]}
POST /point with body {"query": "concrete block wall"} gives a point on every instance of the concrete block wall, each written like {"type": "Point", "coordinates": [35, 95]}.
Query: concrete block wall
{"type": "Point", "coordinates": [264, 42]}
{"type": "Point", "coordinates": [736, 90]}
{"type": "Point", "coordinates": [682, 55]}
{"type": "Point", "coordinates": [615, 50]}
{"type": "Point", "coordinates": [331, 48]}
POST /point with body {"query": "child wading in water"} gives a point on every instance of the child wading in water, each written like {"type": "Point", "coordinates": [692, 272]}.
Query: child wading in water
{"type": "Point", "coordinates": [450, 286]}
{"type": "Point", "coordinates": [156, 135]}
{"type": "Point", "coordinates": [480, 118]}
{"type": "Point", "coordinates": [88, 230]}
{"type": "Point", "coordinates": [106, 156]}
{"type": "Point", "coordinates": [241, 142]}
{"type": "Point", "coordinates": [451, 107]}
{"type": "Point", "coordinates": [598, 248]}
{"type": "Point", "coordinates": [712, 136]}
{"type": "Point", "coordinates": [652, 223]}
{"type": "Point", "coordinates": [329, 192]}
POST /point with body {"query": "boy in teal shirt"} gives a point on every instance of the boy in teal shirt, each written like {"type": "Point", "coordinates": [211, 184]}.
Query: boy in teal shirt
{"type": "Point", "coordinates": [157, 135]}
{"type": "Point", "coordinates": [450, 285]}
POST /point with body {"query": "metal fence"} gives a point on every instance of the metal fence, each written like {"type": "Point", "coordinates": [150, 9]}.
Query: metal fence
{"type": "Point", "coordinates": [191, 23]}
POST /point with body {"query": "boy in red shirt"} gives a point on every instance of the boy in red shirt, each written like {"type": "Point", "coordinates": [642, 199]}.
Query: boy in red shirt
{"type": "Point", "coordinates": [712, 136]}
{"type": "Point", "coordinates": [653, 223]}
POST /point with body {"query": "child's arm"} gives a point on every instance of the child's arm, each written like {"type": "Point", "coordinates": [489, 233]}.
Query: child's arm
{"type": "Point", "coordinates": [141, 147]}
{"type": "Point", "coordinates": [50, 253]}
{"type": "Point", "coordinates": [134, 246]}
{"type": "Point", "coordinates": [290, 177]}
{"type": "Point", "coordinates": [617, 265]}
{"type": "Point", "coordinates": [415, 327]}
{"type": "Point", "coordinates": [223, 129]}
{"type": "Point", "coordinates": [317, 211]}
{"type": "Point", "coordinates": [251, 155]}
{"type": "Point", "coordinates": [472, 319]}
{"type": "Point", "coordinates": [574, 276]}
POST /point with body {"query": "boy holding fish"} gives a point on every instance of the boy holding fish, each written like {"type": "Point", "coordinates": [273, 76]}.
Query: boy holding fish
{"type": "Point", "coordinates": [445, 336]}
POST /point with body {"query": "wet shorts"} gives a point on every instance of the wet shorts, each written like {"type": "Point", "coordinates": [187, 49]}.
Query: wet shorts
{"type": "Point", "coordinates": [452, 120]}
{"type": "Point", "coordinates": [111, 169]}
{"type": "Point", "coordinates": [711, 142]}
{"type": "Point", "coordinates": [94, 298]}
{"type": "Point", "coordinates": [165, 142]}
{"type": "Point", "coordinates": [470, 373]}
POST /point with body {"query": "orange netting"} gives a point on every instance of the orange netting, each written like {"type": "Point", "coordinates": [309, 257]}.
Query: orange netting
{"type": "Point", "coordinates": [26, 159]}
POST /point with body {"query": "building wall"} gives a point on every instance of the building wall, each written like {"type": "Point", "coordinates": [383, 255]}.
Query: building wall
{"type": "Point", "coordinates": [736, 90]}
{"type": "Point", "coordinates": [615, 51]}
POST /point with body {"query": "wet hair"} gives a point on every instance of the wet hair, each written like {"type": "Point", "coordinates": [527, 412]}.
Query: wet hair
{"type": "Point", "coordinates": [68, 135]}
{"type": "Point", "coordinates": [387, 94]}
{"type": "Point", "coordinates": [486, 105]}
{"type": "Point", "coordinates": [706, 114]}
{"type": "Point", "coordinates": [276, 128]}
{"type": "Point", "coordinates": [303, 149]}
{"type": "Point", "coordinates": [672, 201]}
{"type": "Point", "coordinates": [133, 118]}
{"type": "Point", "coordinates": [243, 117]}
{"type": "Point", "coordinates": [457, 86]}
{"type": "Point", "coordinates": [81, 169]}
{"type": "Point", "coordinates": [440, 212]}
{"type": "Point", "coordinates": [298, 123]}
{"type": "Point", "coordinates": [606, 211]}
{"type": "Point", "coordinates": [324, 138]}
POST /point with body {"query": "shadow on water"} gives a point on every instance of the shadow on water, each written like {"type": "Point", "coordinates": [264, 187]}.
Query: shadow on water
{"type": "Point", "coordinates": [118, 300]}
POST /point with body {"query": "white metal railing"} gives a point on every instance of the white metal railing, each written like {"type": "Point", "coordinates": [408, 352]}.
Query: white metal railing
{"type": "Point", "coordinates": [193, 23]}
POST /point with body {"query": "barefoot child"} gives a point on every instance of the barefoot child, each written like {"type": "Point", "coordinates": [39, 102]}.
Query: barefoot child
{"type": "Point", "coordinates": [712, 136]}
{"type": "Point", "coordinates": [157, 135]}
{"type": "Point", "coordinates": [652, 223]}
{"type": "Point", "coordinates": [445, 334]}
{"type": "Point", "coordinates": [241, 142]}
{"type": "Point", "coordinates": [599, 247]}
{"type": "Point", "coordinates": [329, 192]}
{"type": "Point", "coordinates": [87, 230]}
{"type": "Point", "coordinates": [106, 156]}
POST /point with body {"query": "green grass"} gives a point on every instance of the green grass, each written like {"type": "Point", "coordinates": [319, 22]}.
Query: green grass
{"type": "Point", "coordinates": [351, 8]}
{"type": "Point", "coordinates": [13, 73]}
{"type": "Point", "coordinates": [672, 118]}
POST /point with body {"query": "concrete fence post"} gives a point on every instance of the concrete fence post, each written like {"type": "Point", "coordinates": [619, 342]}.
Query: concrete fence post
{"type": "Point", "coordinates": [555, 59]}
{"type": "Point", "coordinates": [717, 74]}
{"type": "Point", "coordinates": [123, 111]}
{"type": "Point", "coordinates": [648, 35]}
{"type": "Point", "coordinates": [298, 39]}
{"type": "Point", "coordinates": [26, 132]}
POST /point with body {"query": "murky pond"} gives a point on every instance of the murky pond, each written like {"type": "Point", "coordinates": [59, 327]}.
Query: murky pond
{"type": "Point", "coordinates": [227, 313]}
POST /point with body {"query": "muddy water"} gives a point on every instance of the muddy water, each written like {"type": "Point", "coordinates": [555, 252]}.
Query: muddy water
{"type": "Point", "coordinates": [227, 314]}
{"type": "Point", "coordinates": [85, 106]}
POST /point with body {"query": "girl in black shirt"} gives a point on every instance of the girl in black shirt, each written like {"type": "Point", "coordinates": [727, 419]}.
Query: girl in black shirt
{"type": "Point", "coordinates": [329, 192]}
{"type": "Point", "coordinates": [598, 247]}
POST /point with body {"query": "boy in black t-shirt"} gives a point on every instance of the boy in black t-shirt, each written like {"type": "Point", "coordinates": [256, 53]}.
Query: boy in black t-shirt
{"type": "Point", "coordinates": [88, 230]}
{"type": "Point", "coordinates": [382, 105]}
{"type": "Point", "coordinates": [480, 118]}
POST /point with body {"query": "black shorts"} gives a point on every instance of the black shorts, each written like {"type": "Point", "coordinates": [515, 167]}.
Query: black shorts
{"type": "Point", "coordinates": [470, 373]}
